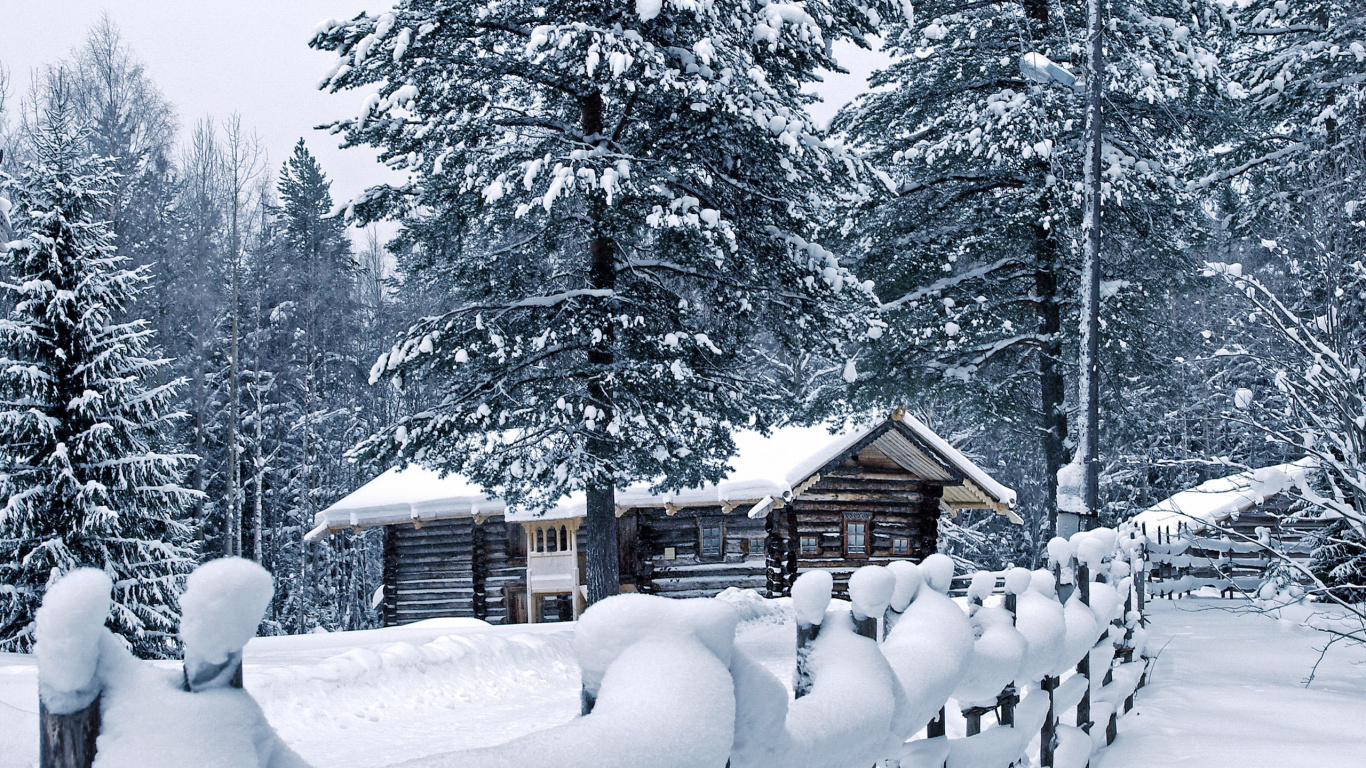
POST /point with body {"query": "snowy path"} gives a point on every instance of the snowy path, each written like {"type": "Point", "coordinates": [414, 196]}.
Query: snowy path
{"type": "Point", "coordinates": [1228, 692]}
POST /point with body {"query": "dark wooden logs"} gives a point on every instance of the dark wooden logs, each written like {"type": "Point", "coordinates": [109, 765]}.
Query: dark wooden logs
{"type": "Point", "coordinates": [806, 635]}
{"type": "Point", "coordinates": [1049, 736]}
{"type": "Point", "coordinates": [1084, 666]}
{"type": "Point", "coordinates": [936, 727]}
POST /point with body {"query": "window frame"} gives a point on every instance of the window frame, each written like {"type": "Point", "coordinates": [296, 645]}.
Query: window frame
{"type": "Point", "coordinates": [702, 525]}
{"type": "Point", "coordinates": [815, 549]}
{"type": "Point", "coordinates": [866, 524]}
{"type": "Point", "coordinates": [904, 542]}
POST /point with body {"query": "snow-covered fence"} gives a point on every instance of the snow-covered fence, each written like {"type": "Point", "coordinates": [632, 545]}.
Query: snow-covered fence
{"type": "Point", "coordinates": [93, 692]}
{"type": "Point", "coordinates": [1185, 560]}
{"type": "Point", "coordinates": [901, 672]}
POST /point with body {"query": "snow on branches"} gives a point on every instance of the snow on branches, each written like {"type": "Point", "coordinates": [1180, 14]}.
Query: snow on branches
{"type": "Point", "coordinates": [84, 477]}
{"type": "Point", "coordinates": [620, 206]}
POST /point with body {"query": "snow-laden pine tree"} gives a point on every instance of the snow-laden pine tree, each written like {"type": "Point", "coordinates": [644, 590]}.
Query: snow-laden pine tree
{"type": "Point", "coordinates": [619, 203]}
{"type": "Point", "coordinates": [310, 345]}
{"type": "Point", "coordinates": [1297, 66]}
{"type": "Point", "coordinates": [85, 475]}
{"type": "Point", "coordinates": [977, 249]}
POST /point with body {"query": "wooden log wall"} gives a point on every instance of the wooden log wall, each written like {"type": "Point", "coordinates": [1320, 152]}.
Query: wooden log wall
{"type": "Point", "coordinates": [504, 567]}
{"type": "Point", "coordinates": [689, 573]}
{"type": "Point", "coordinates": [891, 502]}
{"type": "Point", "coordinates": [450, 568]}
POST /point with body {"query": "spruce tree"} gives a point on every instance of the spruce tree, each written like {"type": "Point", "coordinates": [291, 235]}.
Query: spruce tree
{"type": "Point", "coordinates": [312, 338]}
{"type": "Point", "coordinates": [976, 249]}
{"type": "Point", "coordinates": [618, 203]}
{"type": "Point", "coordinates": [85, 479]}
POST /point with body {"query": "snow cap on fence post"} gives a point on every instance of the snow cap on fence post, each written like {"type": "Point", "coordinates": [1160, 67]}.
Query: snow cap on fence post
{"type": "Point", "coordinates": [980, 588]}
{"type": "Point", "coordinates": [1017, 580]}
{"type": "Point", "coordinates": [69, 631]}
{"type": "Point", "coordinates": [870, 590]}
{"type": "Point", "coordinates": [222, 606]}
{"type": "Point", "coordinates": [908, 581]}
{"type": "Point", "coordinates": [938, 571]}
{"type": "Point", "coordinates": [1060, 550]}
{"type": "Point", "coordinates": [810, 597]}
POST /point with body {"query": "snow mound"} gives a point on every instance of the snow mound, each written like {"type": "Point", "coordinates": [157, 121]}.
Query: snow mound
{"type": "Point", "coordinates": [928, 648]}
{"type": "Point", "coordinates": [848, 716]}
{"type": "Point", "coordinates": [609, 627]}
{"type": "Point", "coordinates": [1042, 621]}
{"type": "Point", "coordinates": [996, 657]}
{"type": "Point", "coordinates": [752, 606]}
{"type": "Point", "coordinates": [149, 721]}
{"type": "Point", "coordinates": [666, 701]}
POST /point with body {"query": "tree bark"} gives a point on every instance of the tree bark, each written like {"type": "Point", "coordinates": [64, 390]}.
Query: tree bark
{"type": "Point", "coordinates": [603, 577]}
{"type": "Point", "coordinates": [1052, 385]}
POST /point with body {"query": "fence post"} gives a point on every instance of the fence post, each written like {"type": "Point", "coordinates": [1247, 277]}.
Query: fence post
{"type": "Point", "coordinates": [870, 592]}
{"type": "Point", "coordinates": [1006, 700]}
{"type": "Point", "coordinates": [1084, 666]}
{"type": "Point", "coordinates": [1050, 725]}
{"type": "Point", "coordinates": [936, 728]}
{"type": "Point", "coordinates": [223, 604]}
{"type": "Point", "coordinates": [68, 740]}
{"type": "Point", "coordinates": [810, 597]}
{"type": "Point", "coordinates": [1049, 734]}
{"type": "Point", "coordinates": [70, 632]}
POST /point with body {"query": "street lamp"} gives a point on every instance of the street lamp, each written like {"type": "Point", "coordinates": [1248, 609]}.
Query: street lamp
{"type": "Point", "coordinates": [1074, 516]}
{"type": "Point", "coordinates": [1041, 69]}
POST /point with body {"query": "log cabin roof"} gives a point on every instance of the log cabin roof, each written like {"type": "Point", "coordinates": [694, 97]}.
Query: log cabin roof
{"type": "Point", "coordinates": [766, 469]}
{"type": "Point", "coordinates": [1215, 501]}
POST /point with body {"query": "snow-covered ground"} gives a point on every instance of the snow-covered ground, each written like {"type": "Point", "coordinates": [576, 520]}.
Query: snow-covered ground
{"type": "Point", "coordinates": [1227, 691]}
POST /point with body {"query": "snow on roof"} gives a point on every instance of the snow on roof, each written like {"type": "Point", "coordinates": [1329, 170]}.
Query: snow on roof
{"type": "Point", "coordinates": [767, 467]}
{"type": "Point", "coordinates": [1217, 500]}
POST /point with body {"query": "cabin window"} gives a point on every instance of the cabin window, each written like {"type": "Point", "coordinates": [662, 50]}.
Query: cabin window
{"type": "Point", "coordinates": [811, 545]}
{"type": "Point", "coordinates": [550, 540]}
{"type": "Point", "coordinates": [564, 539]}
{"type": "Point", "coordinates": [901, 545]}
{"type": "Point", "coordinates": [856, 537]}
{"type": "Point", "coordinates": [711, 539]}
{"type": "Point", "coordinates": [540, 540]}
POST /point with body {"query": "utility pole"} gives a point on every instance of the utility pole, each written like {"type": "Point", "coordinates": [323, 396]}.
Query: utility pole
{"type": "Point", "coordinates": [1079, 481]}
{"type": "Point", "coordinates": [1088, 384]}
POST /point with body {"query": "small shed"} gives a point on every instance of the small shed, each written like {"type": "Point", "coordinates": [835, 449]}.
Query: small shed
{"type": "Point", "coordinates": [797, 499]}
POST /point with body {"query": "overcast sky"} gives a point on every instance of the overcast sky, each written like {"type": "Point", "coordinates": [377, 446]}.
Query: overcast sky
{"type": "Point", "coordinates": [214, 57]}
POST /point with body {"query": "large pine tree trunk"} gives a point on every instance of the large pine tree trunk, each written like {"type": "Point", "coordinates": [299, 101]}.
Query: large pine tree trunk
{"type": "Point", "coordinates": [1052, 385]}
{"type": "Point", "coordinates": [603, 577]}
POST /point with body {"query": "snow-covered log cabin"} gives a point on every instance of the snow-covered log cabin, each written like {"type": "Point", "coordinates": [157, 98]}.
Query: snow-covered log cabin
{"type": "Point", "coordinates": [797, 499]}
